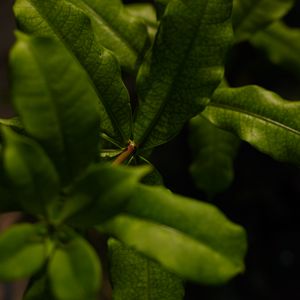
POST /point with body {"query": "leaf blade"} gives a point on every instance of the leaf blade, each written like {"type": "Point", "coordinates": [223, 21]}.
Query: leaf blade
{"type": "Point", "coordinates": [259, 117]}
{"type": "Point", "coordinates": [175, 83]}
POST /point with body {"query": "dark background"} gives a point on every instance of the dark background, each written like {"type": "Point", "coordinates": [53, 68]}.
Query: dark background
{"type": "Point", "coordinates": [264, 197]}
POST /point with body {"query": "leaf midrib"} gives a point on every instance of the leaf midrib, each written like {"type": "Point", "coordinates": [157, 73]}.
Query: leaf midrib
{"type": "Point", "coordinates": [253, 115]}
{"type": "Point", "coordinates": [174, 81]}
{"type": "Point", "coordinates": [108, 111]}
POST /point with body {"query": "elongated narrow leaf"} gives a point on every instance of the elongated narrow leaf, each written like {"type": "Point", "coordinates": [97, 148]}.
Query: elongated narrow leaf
{"type": "Point", "coordinates": [14, 123]}
{"type": "Point", "coordinates": [101, 194]}
{"type": "Point", "coordinates": [251, 16]}
{"type": "Point", "coordinates": [56, 103]}
{"type": "Point", "coordinates": [184, 67]}
{"type": "Point", "coordinates": [196, 241]}
{"type": "Point", "coordinates": [259, 117]}
{"type": "Point", "coordinates": [160, 7]}
{"type": "Point", "coordinates": [135, 277]}
{"type": "Point", "coordinates": [73, 28]}
{"type": "Point", "coordinates": [31, 173]}
{"type": "Point", "coordinates": [117, 30]}
{"type": "Point", "coordinates": [281, 45]}
{"type": "Point", "coordinates": [74, 271]}
{"type": "Point", "coordinates": [213, 151]}
{"type": "Point", "coordinates": [22, 252]}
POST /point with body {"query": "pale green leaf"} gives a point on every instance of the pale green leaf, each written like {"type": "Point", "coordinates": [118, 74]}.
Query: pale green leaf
{"type": "Point", "coordinates": [281, 45]}
{"type": "Point", "coordinates": [51, 97]}
{"type": "Point", "coordinates": [74, 271]}
{"type": "Point", "coordinates": [135, 277]}
{"type": "Point", "coordinates": [101, 194]}
{"type": "Point", "coordinates": [259, 117]}
{"type": "Point", "coordinates": [182, 69]}
{"type": "Point", "coordinates": [22, 252]}
{"type": "Point", "coordinates": [213, 153]}
{"type": "Point", "coordinates": [69, 24]}
{"type": "Point", "coordinates": [251, 16]}
{"type": "Point", "coordinates": [31, 173]}
{"type": "Point", "coordinates": [196, 241]}
{"type": "Point", "coordinates": [117, 30]}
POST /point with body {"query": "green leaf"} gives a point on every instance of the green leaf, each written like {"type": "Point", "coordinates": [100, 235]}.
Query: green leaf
{"type": "Point", "coordinates": [101, 194]}
{"type": "Point", "coordinates": [13, 123]}
{"type": "Point", "coordinates": [214, 151]}
{"type": "Point", "coordinates": [251, 16]}
{"type": "Point", "coordinates": [259, 117]}
{"type": "Point", "coordinates": [31, 173]}
{"type": "Point", "coordinates": [146, 13]}
{"type": "Point", "coordinates": [135, 277]}
{"type": "Point", "coordinates": [117, 30]}
{"type": "Point", "coordinates": [175, 82]}
{"type": "Point", "coordinates": [196, 241]}
{"type": "Point", "coordinates": [74, 271]}
{"type": "Point", "coordinates": [281, 45]}
{"type": "Point", "coordinates": [39, 289]}
{"type": "Point", "coordinates": [52, 107]}
{"type": "Point", "coordinates": [73, 28]}
{"type": "Point", "coordinates": [161, 7]}
{"type": "Point", "coordinates": [22, 251]}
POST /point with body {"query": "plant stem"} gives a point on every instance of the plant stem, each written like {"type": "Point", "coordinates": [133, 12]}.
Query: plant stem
{"type": "Point", "coordinates": [125, 154]}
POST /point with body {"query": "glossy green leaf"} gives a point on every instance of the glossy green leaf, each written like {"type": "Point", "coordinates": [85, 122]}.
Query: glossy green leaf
{"type": "Point", "coordinates": [74, 271]}
{"type": "Point", "coordinates": [175, 83]}
{"type": "Point", "coordinates": [281, 45]}
{"type": "Point", "coordinates": [51, 106]}
{"type": "Point", "coordinates": [101, 194]}
{"type": "Point", "coordinates": [213, 153]}
{"type": "Point", "coordinates": [31, 173]}
{"type": "Point", "coordinates": [117, 30]}
{"type": "Point", "coordinates": [146, 13]}
{"type": "Point", "coordinates": [196, 241]}
{"type": "Point", "coordinates": [73, 28]}
{"type": "Point", "coordinates": [251, 16]}
{"type": "Point", "coordinates": [135, 277]}
{"type": "Point", "coordinates": [259, 117]}
{"type": "Point", "coordinates": [22, 252]}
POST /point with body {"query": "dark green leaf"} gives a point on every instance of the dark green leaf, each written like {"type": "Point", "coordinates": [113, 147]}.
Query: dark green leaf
{"type": "Point", "coordinates": [22, 251]}
{"type": "Point", "coordinates": [175, 82]}
{"type": "Point", "coordinates": [52, 107]}
{"type": "Point", "coordinates": [73, 28]}
{"type": "Point", "coordinates": [101, 194]}
{"type": "Point", "coordinates": [31, 173]}
{"type": "Point", "coordinates": [135, 277]}
{"type": "Point", "coordinates": [213, 151]}
{"type": "Point", "coordinates": [75, 271]}
{"type": "Point", "coordinates": [281, 45]}
{"type": "Point", "coordinates": [161, 7]}
{"type": "Point", "coordinates": [251, 16]}
{"type": "Point", "coordinates": [196, 241]}
{"type": "Point", "coordinates": [117, 30]}
{"type": "Point", "coordinates": [259, 117]}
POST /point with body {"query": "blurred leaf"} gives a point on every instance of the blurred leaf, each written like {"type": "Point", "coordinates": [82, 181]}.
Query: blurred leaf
{"type": "Point", "coordinates": [117, 30]}
{"type": "Point", "coordinates": [214, 151]}
{"type": "Point", "coordinates": [146, 13]}
{"type": "Point", "coordinates": [31, 173]}
{"type": "Point", "coordinates": [281, 45]}
{"type": "Point", "coordinates": [196, 241]}
{"type": "Point", "coordinates": [259, 117]}
{"type": "Point", "coordinates": [250, 16]}
{"type": "Point", "coordinates": [22, 252]}
{"type": "Point", "coordinates": [52, 107]}
{"type": "Point", "coordinates": [175, 83]}
{"type": "Point", "coordinates": [101, 194]}
{"type": "Point", "coordinates": [161, 7]}
{"type": "Point", "coordinates": [73, 28]}
{"type": "Point", "coordinates": [136, 277]}
{"type": "Point", "coordinates": [75, 271]}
